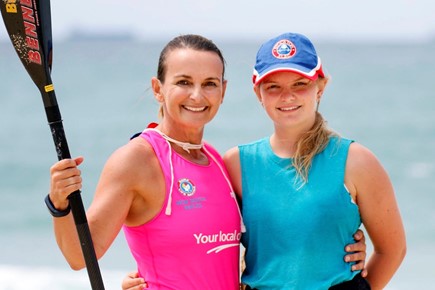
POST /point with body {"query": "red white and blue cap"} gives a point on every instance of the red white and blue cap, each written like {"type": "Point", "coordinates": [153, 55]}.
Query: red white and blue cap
{"type": "Point", "coordinates": [290, 52]}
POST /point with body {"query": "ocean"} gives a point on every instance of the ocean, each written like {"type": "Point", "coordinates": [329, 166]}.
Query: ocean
{"type": "Point", "coordinates": [381, 95]}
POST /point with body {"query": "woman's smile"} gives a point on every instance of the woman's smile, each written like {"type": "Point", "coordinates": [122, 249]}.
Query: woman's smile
{"type": "Point", "coordinates": [194, 109]}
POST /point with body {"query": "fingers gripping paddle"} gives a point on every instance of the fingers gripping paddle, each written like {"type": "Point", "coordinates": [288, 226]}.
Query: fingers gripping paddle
{"type": "Point", "coordinates": [28, 23]}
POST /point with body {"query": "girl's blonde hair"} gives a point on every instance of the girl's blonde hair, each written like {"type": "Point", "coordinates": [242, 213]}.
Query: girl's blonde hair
{"type": "Point", "coordinates": [311, 143]}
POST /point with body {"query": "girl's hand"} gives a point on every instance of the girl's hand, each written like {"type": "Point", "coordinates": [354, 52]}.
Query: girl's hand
{"type": "Point", "coordinates": [133, 282]}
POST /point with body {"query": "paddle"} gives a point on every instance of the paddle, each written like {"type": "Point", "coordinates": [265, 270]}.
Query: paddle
{"type": "Point", "coordinates": [28, 23]}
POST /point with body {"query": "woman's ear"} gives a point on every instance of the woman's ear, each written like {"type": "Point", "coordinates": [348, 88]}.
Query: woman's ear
{"type": "Point", "coordinates": [157, 89]}
{"type": "Point", "coordinates": [224, 89]}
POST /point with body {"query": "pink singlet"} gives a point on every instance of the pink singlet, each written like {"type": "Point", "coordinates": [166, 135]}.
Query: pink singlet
{"type": "Point", "coordinates": [193, 243]}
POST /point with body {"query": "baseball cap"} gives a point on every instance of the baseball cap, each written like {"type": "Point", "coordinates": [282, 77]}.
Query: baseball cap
{"type": "Point", "coordinates": [291, 52]}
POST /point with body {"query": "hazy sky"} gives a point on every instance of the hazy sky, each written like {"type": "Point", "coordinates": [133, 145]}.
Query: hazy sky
{"type": "Point", "coordinates": [338, 19]}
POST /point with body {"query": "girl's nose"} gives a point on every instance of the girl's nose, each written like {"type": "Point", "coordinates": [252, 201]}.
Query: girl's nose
{"type": "Point", "coordinates": [288, 95]}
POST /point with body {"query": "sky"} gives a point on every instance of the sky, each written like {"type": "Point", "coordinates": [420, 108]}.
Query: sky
{"type": "Point", "coordinates": [372, 20]}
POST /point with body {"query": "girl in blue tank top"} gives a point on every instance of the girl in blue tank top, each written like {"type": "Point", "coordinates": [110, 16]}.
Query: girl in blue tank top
{"type": "Point", "coordinates": [306, 184]}
{"type": "Point", "coordinates": [182, 81]}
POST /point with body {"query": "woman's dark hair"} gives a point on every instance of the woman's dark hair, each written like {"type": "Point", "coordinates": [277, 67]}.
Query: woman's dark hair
{"type": "Point", "coordinates": [196, 42]}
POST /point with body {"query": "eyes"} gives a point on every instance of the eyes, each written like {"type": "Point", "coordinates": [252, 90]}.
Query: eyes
{"type": "Point", "coordinates": [296, 86]}
{"type": "Point", "coordinates": [205, 84]}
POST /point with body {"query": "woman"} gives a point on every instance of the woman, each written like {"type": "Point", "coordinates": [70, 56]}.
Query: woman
{"type": "Point", "coordinates": [305, 176]}
{"type": "Point", "coordinates": [167, 188]}
{"type": "Point", "coordinates": [137, 280]}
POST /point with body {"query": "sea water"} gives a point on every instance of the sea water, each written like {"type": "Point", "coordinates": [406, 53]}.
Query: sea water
{"type": "Point", "coordinates": [381, 95]}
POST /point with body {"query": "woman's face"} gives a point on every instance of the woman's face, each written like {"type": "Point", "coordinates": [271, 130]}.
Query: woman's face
{"type": "Point", "coordinates": [194, 87]}
{"type": "Point", "coordinates": [289, 99]}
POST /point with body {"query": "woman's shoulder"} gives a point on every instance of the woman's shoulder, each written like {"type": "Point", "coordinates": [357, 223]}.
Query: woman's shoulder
{"type": "Point", "coordinates": [134, 149]}
{"type": "Point", "coordinates": [134, 155]}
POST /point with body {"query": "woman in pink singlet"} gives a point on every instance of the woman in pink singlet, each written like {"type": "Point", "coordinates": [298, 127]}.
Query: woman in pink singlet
{"type": "Point", "coordinates": [167, 189]}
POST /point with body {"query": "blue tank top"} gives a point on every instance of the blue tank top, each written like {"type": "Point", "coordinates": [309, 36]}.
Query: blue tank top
{"type": "Point", "coordinates": [295, 232]}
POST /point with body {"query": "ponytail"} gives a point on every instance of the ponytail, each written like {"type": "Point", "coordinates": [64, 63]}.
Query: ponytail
{"type": "Point", "coordinates": [311, 143]}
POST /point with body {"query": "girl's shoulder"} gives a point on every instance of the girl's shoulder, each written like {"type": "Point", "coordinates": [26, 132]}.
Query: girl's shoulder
{"type": "Point", "coordinates": [362, 163]}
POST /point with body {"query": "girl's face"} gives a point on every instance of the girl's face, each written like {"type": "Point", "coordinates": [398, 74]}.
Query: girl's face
{"type": "Point", "coordinates": [289, 99]}
{"type": "Point", "coordinates": [194, 87]}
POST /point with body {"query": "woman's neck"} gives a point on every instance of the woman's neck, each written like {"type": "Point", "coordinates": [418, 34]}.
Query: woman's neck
{"type": "Point", "coordinates": [181, 134]}
{"type": "Point", "coordinates": [181, 142]}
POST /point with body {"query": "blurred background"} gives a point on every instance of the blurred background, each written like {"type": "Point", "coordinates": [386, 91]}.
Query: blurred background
{"type": "Point", "coordinates": [381, 56]}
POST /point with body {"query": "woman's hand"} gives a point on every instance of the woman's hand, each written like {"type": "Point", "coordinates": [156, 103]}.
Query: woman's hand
{"type": "Point", "coordinates": [65, 179]}
{"type": "Point", "coordinates": [133, 282]}
{"type": "Point", "coordinates": [358, 250]}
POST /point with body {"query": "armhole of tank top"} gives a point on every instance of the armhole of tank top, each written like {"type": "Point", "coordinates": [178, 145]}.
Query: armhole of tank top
{"type": "Point", "coordinates": [352, 200]}
{"type": "Point", "coordinates": [162, 210]}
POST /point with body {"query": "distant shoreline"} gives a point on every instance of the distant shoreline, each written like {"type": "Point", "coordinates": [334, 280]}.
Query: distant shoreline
{"type": "Point", "coordinates": [125, 36]}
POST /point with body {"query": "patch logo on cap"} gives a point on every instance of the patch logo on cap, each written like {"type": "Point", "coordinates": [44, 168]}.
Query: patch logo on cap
{"type": "Point", "coordinates": [284, 49]}
{"type": "Point", "coordinates": [186, 187]}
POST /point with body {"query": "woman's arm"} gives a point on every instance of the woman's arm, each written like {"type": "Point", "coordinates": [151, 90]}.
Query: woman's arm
{"type": "Point", "coordinates": [110, 206]}
{"type": "Point", "coordinates": [65, 179]}
{"type": "Point", "coordinates": [358, 253]}
{"type": "Point", "coordinates": [371, 187]}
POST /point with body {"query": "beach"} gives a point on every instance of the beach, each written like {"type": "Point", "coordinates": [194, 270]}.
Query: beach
{"type": "Point", "coordinates": [380, 94]}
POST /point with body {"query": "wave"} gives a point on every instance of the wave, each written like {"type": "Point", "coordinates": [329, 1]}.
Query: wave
{"type": "Point", "coordinates": [42, 278]}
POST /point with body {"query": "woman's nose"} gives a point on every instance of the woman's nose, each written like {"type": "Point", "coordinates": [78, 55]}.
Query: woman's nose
{"type": "Point", "coordinates": [196, 93]}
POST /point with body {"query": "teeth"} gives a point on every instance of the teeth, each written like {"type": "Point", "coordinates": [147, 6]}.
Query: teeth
{"type": "Point", "coordinates": [289, 108]}
{"type": "Point", "coordinates": [195, 109]}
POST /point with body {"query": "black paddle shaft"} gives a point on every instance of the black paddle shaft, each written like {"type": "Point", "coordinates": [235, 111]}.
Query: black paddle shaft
{"type": "Point", "coordinates": [28, 23]}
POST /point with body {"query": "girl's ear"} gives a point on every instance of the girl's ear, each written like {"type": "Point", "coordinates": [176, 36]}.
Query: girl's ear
{"type": "Point", "coordinates": [321, 85]}
{"type": "Point", "coordinates": [157, 89]}
{"type": "Point", "coordinates": [258, 93]}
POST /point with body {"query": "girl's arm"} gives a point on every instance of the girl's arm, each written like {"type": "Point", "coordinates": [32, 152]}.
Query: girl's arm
{"type": "Point", "coordinates": [370, 186]}
{"type": "Point", "coordinates": [358, 249]}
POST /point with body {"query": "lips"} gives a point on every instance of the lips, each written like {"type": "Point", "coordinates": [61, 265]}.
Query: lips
{"type": "Point", "coordinates": [289, 109]}
{"type": "Point", "coordinates": [195, 109]}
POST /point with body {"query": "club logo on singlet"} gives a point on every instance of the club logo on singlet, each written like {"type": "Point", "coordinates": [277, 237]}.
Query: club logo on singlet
{"type": "Point", "coordinates": [186, 187]}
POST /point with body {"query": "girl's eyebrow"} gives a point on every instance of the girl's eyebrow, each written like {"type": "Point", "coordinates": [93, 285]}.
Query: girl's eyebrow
{"type": "Point", "coordinates": [268, 81]}
{"type": "Point", "coordinates": [299, 79]}
{"type": "Point", "coordinates": [271, 79]}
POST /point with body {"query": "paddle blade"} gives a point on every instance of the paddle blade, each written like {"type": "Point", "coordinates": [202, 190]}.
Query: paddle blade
{"type": "Point", "coordinates": [28, 23]}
